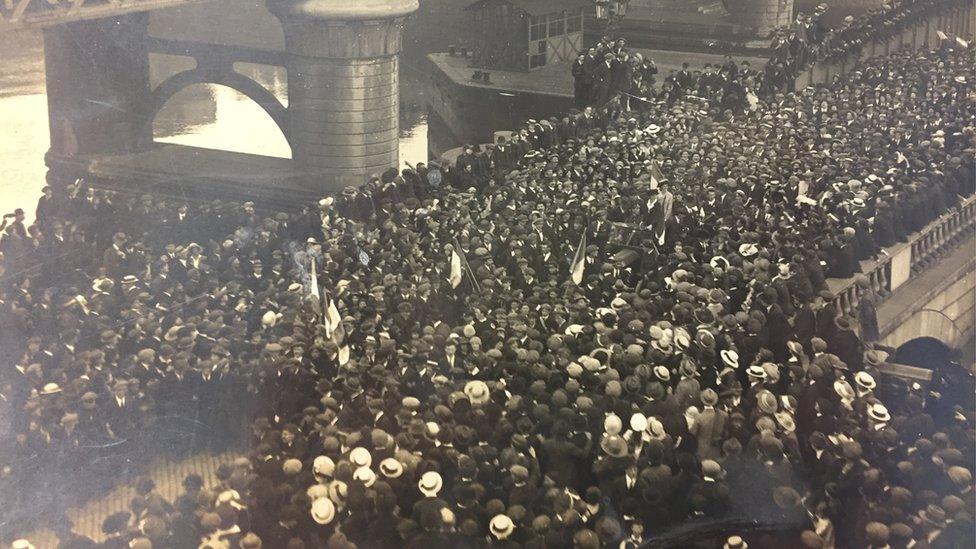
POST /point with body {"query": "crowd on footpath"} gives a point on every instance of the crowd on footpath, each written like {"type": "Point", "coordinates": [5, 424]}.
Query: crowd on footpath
{"type": "Point", "coordinates": [610, 75]}
{"type": "Point", "coordinates": [810, 40]}
{"type": "Point", "coordinates": [457, 356]}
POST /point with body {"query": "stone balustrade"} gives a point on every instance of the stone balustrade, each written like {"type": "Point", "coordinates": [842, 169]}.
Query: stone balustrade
{"type": "Point", "coordinates": [905, 260]}
{"type": "Point", "coordinates": [958, 21]}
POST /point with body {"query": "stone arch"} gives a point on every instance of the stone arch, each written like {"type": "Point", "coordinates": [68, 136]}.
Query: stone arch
{"type": "Point", "coordinates": [229, 78]}
{"type": "Point", "coordinates": [926, 323]}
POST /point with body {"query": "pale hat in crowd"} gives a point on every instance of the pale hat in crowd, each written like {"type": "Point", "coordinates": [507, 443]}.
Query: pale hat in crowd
{"type": "Point", "coordinates": [323, 511]}
{"type": "Point", "coordinates": [502, 526]}
{"type": "Point", "coordinates": [430, 483]}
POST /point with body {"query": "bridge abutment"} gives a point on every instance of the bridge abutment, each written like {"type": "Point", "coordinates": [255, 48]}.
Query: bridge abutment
{"type": "Point", "coordinates": [97, 77]}
{"type": "Point", "coordinates": [343, 86]}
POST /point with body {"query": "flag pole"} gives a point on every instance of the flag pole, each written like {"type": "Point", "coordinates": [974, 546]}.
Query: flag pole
{"type": "Point", "coordinates": [467, 266]}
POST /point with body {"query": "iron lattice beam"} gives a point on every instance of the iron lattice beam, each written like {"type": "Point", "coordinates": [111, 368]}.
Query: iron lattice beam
{"type": "Point", "coordinates": [45, 13]}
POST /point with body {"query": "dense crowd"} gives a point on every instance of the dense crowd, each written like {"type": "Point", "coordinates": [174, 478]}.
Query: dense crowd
{"type": "Point", "coordinates": [442, 359]}
{"type": "Point", "coordinates": [810, 40]}
{"type": "Point", "coordinates": [609, 76]}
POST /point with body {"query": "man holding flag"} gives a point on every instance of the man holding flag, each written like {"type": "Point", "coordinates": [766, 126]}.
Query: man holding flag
{"type": "Point", "coordinates": [659, 206]}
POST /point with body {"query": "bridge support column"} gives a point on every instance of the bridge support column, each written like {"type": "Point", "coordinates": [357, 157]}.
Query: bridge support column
{"type": "Point", "coordinates": [763, 15]}
{"type": "Point", "coordinates": [343, 85]}
{"type": "Point", "coordinates": [97, 76]}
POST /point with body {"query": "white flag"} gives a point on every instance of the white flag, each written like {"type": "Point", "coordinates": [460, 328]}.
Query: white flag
{"type": "Point", "coordinates": [579, 261]}
{"type": "Point", "coordinates": [332, 318]}
{"type": "Point", "coordinates": [753, 101]}
{"type": "Point", "coordinates": [455, 277]}
{"type": "Point", "coordinates": [315, 282]}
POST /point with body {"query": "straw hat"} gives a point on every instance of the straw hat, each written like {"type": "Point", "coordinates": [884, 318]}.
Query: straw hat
{"type": "Point", "coordinates": [430, 483]}
{"type": "Point", "coordinates": [323, 511]}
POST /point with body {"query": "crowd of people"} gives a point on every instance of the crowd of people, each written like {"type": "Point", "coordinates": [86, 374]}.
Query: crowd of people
{"type": "Point", "coordinates": [810, 40]}
{"type": "Point", "coordinates": [609, 75]}
{"type": "Point", "coordinates": [441, 359]}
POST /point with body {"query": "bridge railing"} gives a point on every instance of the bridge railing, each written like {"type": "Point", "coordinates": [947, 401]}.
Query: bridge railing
{"type": "Point", "coordinates": [955, 20]}
{"type": "Point", "coordinates": [901, 262]}
{"type": "Point", "coordinates": [938, 239]}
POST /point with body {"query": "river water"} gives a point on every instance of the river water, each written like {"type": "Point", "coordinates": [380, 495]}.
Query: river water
{"type": "Point", "coordinates": [207, 116]}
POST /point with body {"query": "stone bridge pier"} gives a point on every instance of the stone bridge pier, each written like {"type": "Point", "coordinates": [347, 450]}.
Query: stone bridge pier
{"type": "Point", "coordinates": [343, 85]}
{"type": "Point", "coordinates": [762, 16]}
{"type": "Point", "coordinates": [342, 118]}
{"type": "Point", "coordinates": [97, 78]}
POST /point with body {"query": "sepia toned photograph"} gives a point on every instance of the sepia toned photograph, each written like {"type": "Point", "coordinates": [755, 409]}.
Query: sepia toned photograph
{"type": "Point", "coordinates": [476, 274]}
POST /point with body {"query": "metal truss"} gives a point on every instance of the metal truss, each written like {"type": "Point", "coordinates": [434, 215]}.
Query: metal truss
{"type": "Point", "coordinates": [43, 13]}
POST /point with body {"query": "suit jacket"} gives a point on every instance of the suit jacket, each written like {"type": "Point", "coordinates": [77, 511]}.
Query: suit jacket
{"type": "Point", "coordinates": [847, 346]}
{"type": "Point", "coordinates": [709, 429]}
{"type": "Point", "coordinates": [825, 321]}
{"type": "Point", "coordinates": [805, 325]}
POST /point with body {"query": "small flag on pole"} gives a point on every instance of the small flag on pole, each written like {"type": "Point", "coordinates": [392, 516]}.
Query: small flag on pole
{"type": "Point", "coordinates": [314, 283]}
{"type": "Point", "coordinates": [455, 278]}
{"type": "Point", "coordinates": [314, 294]}
{"type": "Point", "coordinates": [656, 176]}
{"type": "Point", "coordinates": [753, 101]}
{"type": "Point", "coordinates": [579, 261]}
{"type": "Point", "coordinates": [463, 262]}
{"type": "Point", "coordinates": [332, 318]}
